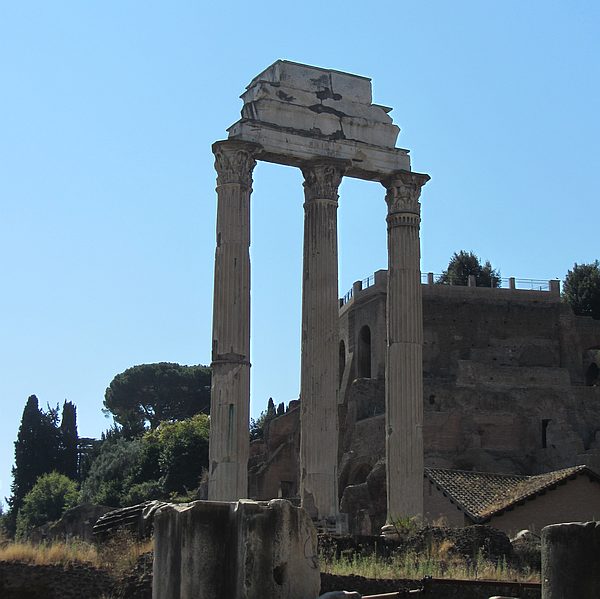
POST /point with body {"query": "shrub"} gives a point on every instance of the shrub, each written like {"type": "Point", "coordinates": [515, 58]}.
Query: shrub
{"type": "Point", "coordinates": [50, 497]}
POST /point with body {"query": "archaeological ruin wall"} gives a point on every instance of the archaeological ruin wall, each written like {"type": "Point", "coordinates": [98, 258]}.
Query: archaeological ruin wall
{"type": "Point", "coordinates": [504, 389]}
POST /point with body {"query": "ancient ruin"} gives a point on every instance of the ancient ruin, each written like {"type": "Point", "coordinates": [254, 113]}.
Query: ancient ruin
{"type": "Point", "coordinates": [323, 122]}
{"type": "Point", "coordinates": [507, 388]}
{"type": "Point", "coordinates": [241, 550]}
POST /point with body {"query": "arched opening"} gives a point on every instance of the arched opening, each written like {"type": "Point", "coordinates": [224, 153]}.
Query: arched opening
{"type": "Point", "coordinates": [364, 353]}
{"type": "Point", "coordinates": [592, 375]}
{"type": "Point", "coordinates": [342, 363]}
{"type": "Point", "coordinates": [591, 371]}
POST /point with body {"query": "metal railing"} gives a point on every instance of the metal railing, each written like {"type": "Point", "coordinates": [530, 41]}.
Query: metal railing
{"type": "Point", "coordinates": [500, 283]}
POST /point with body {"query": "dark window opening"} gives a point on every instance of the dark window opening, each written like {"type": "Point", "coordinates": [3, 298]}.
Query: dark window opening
{"type": "Point", "coordinates": [364, 353]}
{"type": "Point", "coordinates": [286, 488]}
{"type": "Point", "coordinates": [545, 423]}
{"type": "Point", "coordinates": [342, 360]}
{"type": "Point", "coordinates": [592, 375]}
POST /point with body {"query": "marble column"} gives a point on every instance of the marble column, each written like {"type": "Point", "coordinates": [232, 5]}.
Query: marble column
{"type": "Point", "coordinates": [404, 362]}
{"type": "Point", "coordinates": [320, 339]}
{"type": "Point", "coordinates": [230, 392]}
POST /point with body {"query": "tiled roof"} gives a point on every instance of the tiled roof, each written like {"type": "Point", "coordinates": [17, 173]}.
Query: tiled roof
{"type": "Point", "coordinates": [481, 495]}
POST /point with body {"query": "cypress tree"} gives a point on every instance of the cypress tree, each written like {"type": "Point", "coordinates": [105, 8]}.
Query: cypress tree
{"type": "Point", "coordinates": [68, 457]}
{"type": "Point", "coordinates": [36, 452]}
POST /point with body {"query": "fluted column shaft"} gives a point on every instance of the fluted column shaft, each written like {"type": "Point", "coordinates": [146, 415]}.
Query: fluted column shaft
{"type": "Point", "coordinates": [404, 361]}
{"type": "Point", "coordinates": [230, 391]}
{"type": "Point", "coordinates": [320, 338]}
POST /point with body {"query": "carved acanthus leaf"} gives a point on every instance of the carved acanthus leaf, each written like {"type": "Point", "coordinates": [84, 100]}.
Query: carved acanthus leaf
{"type": "Point", "coordinates": [403, 192]}
{"type": "Point", "coordinates": [322, 180]}
{"type": "Point", "coordinates": [234, 163]}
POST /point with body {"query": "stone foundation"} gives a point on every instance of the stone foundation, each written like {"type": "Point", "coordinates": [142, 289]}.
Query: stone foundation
{"type": "Point", "coordinates": [238, 550]}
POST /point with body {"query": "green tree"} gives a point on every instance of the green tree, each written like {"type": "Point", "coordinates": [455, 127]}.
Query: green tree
{"type": "Point", "coordinates": [581, 289]}
{"type": "Point", "coordinates": [145, 395]}
{"type": "Point", "coordinates": [182, 449]}
{"type": "Point", "coordinates": [257, 426]}
{"type": "Point", "coordinates": [462, 264]}
{"type": "Point", "coordinates": [68, 450]}
{"type": "Point", "coordinates": [165, 461]}
{"type": "Point", "coordinates": [36, 453]}
{"type": "Point", "coordinates": [113, 472]}
{"type": "Point", "coordinates": [50, 497]}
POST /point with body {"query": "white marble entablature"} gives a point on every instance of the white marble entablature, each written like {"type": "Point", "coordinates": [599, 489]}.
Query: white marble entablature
{"type": "Point", "coordinates": [298, 112]}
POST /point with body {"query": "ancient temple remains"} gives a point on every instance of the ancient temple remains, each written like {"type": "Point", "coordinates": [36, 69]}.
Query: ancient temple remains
{"type": "Point", "coordinates": [238, 550]}
{"type": "Point", "coordinates": [323, 122]}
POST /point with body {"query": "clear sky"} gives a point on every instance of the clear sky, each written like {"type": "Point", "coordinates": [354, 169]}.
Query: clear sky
{"type": "Point", "coordinates": [107, 206]}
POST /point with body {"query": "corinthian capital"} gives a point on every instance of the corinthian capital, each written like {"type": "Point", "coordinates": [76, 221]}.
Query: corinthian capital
{"type": "Point", "coordinates": [322, 179]}
{"type": "Point", "coordinates": [234, 161]}
{"type": "Point", "coordinates": [403, 192]}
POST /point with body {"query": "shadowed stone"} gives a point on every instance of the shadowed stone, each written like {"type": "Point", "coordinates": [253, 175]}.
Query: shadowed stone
{"type": "Point", "coordinates": [234, 550]}
{"type": "Point", "coordinates": [571, 561]}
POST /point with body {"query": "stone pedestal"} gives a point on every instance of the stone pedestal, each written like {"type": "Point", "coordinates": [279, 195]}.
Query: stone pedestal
{"type": "Point", "coordinates": [241, 550]}
{"type": "Point", "coordinates": [230, 392]}
{"type": "Point", "coordinates": [571, 561]}
{"type": "Point", "coordinates": [320, 338]}
{"type": "Point", "coordinates": [404, 362]}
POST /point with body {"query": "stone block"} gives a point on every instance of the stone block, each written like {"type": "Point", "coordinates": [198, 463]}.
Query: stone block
{"type": "Point", "coordinates": [571, 561]}
{"type": "Point", "coordinates": [369, 162]}
{"type": "Point", "coordinates": [235, 550]}
{"type": "Point", "coordinates": [317, 79]}
{"type": "Point", "coordinates": [297, 97]}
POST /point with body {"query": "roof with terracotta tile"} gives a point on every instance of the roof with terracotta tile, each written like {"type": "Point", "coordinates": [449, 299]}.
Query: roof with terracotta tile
{"type": "Point", "coordinates": [481, 495]}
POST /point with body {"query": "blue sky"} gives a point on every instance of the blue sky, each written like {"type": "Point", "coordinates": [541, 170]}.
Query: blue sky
{"type": "Point", "coordinates": [107, 205]}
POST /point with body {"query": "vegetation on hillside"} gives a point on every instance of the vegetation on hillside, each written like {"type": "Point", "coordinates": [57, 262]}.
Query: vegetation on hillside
{"type": "Point", "coordinates": [50, 497]}
{"type": "Point", "coordinates": [581, 289]}
{"type": "Point", "coordinates": [462, 264]}
{"type": "Point", "coordinates": [42, 446]}
{"type": "Point", "coordinates": [143, 396]}
{"type": "Point", "coordinates": [258, 425]}
{"type": "Point", "coordinates": [157, 447]}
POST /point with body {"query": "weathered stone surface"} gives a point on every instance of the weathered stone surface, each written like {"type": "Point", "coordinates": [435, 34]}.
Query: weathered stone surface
{"type": "Point", "coordinates": [571, 561]}
{"type": "Point", "coordinates": [319, 356]}
{"type": "Point", "coordinates": [230, 392]}
{"type": "Point", "coordinates": [298, 112]}
{"type": "Point", "coordinates": [72, 581]}
{"type": "Point", "coordinates": [78, 522]}
{"type": "Point", "coordinates": [138, 519]}
{"type": "Point", "coordinates": [404, 352]}
{"type": "Point", "coordinates": [324, 122]}
{"type": "Point", "coordinates": [242, 550]}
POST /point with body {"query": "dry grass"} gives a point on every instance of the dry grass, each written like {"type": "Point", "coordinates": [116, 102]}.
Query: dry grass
{"type": "Point", "coordinates": [117, 556]}
{"type": "Point", "coordinates": [438, 563]}
{"type": "Point", "coordinates": [49, 553]}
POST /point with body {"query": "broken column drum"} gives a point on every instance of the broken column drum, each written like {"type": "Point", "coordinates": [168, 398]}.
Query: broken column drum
{"type": "Point", "coordinates": [323, 122]}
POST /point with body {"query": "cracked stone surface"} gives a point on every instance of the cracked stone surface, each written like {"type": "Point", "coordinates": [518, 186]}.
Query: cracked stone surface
{"type": "Point", "coordinates": [298, 112]}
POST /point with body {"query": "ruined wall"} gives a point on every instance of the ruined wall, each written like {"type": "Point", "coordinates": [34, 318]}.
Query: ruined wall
{"type": "Point", "coordinates": [503, 379]}
{"type": "Point", "coordinates": [504, 374]}
{"type": "Point", "coordinates": [25, 581]}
